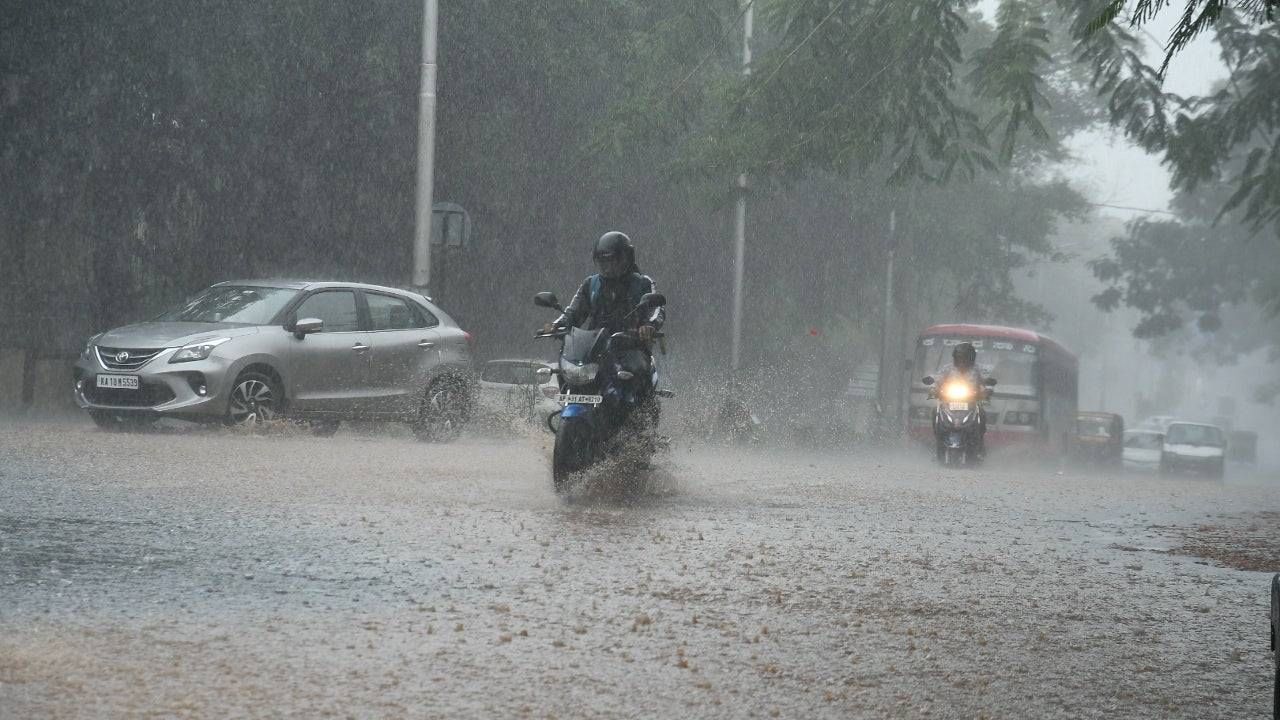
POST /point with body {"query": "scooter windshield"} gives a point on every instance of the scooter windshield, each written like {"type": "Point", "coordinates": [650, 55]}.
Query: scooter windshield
{"type": "Point", "coordinates": [580, 345]}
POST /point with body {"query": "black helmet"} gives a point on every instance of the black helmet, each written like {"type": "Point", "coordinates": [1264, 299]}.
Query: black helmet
{"type": "Point", "coordinates": [964, 355]}
{"type": "Point", "coordinates": [614, 254]}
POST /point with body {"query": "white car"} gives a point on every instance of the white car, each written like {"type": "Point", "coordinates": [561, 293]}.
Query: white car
{"type": "Point", "coordinates": [1142, 449]}
{"type": "Point", "coordinates": [511, 389]}
{"type": "Point", "coordinates": [1194, 447]}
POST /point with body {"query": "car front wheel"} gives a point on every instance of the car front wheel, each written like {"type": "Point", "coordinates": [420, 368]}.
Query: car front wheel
{"type": "Point", "coordinates": [255, 398]}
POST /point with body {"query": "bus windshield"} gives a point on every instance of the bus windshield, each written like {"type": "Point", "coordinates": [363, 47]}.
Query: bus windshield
{"type": "Point", "coordinates": [1012, 364]}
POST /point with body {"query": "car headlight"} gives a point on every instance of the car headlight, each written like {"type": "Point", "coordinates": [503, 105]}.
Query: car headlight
{"type": "Point", "coordinates": [580, 374]}
{"type": "Point", "coordinates": [196, 351]}
{"type": "Point", "coordinates": [88, 345]}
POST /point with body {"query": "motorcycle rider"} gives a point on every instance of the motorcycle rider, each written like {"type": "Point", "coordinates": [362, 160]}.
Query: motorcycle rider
{"type": "Point", "coordinates": [964, 368]}
{"type": "Point", "coordinates": [606, 299]}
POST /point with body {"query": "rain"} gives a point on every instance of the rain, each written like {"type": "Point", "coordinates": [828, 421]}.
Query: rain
{"type": "Point", "coordinates": [734, 358]}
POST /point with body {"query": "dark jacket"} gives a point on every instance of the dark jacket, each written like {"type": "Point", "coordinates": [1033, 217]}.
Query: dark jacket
{"type": "Point", "coordinates": [604, 303]}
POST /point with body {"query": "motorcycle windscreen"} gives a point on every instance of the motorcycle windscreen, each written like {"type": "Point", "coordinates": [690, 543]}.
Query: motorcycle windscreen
{"type": "Point", "coordinates": [580, 345]}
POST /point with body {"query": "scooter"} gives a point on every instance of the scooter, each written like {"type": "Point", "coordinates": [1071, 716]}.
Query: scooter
{"type": "Point", "coordinates": [957, 421]}
{"type": "Point", "coordinates": [609, 390]}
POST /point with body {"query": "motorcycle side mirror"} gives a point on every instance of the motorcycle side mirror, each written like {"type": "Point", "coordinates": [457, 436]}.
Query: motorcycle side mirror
{"type": "Point", "coordinates": [990, 382]}
{"type": "Point", "coordinates": [547, 300]}
{"type": "Point", "coordinates": [653, 300]}
{"type": "Point", "coordinates": [927, 380]}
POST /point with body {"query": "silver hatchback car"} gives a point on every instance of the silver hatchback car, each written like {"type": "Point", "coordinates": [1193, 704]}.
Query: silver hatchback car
{"type": "Point", "coordinates": [249, 351]}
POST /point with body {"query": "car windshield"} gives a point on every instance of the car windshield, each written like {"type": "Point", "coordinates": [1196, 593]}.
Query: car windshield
{"type": "Point", "coordinates": [1011, 364]}
{"type": "Point", "coordinates": [232, 304]}
{"type": "Point", "coordinates": [1206, 435]}
{"type": "Point", "coordinates": [1142, 441]}
{"type": "Point", "coordinates": [1093, 427]}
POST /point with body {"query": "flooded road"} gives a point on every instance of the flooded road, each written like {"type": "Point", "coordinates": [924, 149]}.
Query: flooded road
{"type": "Point", "coordinates": [214, 574]}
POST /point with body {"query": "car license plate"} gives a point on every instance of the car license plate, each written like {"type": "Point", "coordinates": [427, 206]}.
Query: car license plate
{"type": "Point", "coordinates": [580, 399]}
{"type": "Point", "coordinates": [957, 406]}
{"type": "Point", "coordinates": [119, 382]}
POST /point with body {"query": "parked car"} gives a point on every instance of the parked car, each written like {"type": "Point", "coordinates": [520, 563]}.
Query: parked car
{"type": "Point", "coordinates": [1142, 450]}
{"type": "Point", "coordinates": [512, 389]}
{"type": "Point", "coordinates": [249, 351]}
{"type": "Point", "coordinates": [1194, 447]}
{"type": "Point", "coordinates": [1100, 437]}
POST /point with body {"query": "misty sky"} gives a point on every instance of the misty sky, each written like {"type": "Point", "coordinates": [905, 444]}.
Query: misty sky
{"type": "Point", "coordinates": [1115, 172]}
{"type": "Point", "coordinates": [1110, 169]}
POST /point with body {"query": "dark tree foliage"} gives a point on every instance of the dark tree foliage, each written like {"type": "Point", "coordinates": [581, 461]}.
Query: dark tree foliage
{"type": "Point", "coordinates": [151, 148]}
{"type": "Point", "coordinates": [1197, 16]}
{"type": "Point", "coordinates": [1219, 257]}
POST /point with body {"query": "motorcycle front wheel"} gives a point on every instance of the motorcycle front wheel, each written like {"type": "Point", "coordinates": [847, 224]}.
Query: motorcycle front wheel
{"type": "Point", "coordinates": [953, 457]}
{"type": "Point", "coordinates": [572, 453]}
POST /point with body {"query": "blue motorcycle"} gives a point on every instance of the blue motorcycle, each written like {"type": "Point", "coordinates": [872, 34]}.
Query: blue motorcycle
{"type": "Point", "coordinates": [609, 390]}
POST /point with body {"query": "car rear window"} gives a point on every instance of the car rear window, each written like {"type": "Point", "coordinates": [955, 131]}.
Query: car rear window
{"type": "Point", "coordinates": [393, 313]}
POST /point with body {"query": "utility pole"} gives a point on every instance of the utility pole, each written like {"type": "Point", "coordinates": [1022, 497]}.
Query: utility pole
{"type": "Point", "coordinates": [740, 211]}
{"type": "Point", "coordinates": [887, 376]}
{"type": "Point", "coordinates": [426, 148]}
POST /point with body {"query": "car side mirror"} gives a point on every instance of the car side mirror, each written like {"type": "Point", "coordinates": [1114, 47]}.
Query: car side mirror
{"type": "Point", "coordinates": [306, 326]}
{"type": "Point", "coordinates": [547, 300]}
{"type": "Point", "coordinates": [989, 382]}
{"type": "Point", "coordinates": [927, 380]}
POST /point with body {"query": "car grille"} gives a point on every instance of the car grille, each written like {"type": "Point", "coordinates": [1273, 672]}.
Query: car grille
{"type": "Point", "coordinates": [133, 358]}
{"type": "Point", "coordinates": [147, 394]}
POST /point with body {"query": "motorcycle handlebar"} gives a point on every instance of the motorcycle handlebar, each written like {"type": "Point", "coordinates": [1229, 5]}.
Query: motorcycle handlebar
{"type": "Point", "coordinates": [561, 333]}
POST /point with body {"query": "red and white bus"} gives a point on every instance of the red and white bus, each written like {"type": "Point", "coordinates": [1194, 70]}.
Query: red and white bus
{"type": "Point", "coordinates": [1034, 404]}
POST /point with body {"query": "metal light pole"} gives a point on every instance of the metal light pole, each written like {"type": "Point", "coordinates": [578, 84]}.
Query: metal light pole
{"type": "Point", "coordinates": [426, 148]}
{"type": "Point", "coordinates": [740, 211]}
{"type": "Point", "coordinates": [887, 376]}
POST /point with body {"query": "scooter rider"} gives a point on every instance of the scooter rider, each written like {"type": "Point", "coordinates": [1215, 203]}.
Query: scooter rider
{"type": "Point", "coordinates": [964, 367]}
{"type": "Point", "coordinates": [606, 299]}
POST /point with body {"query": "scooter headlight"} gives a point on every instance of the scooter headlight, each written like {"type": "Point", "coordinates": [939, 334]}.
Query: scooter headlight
{"type": "Point", "coordinates": [957, 392]}
{"type": "Point", "coordinates": [580, 374]}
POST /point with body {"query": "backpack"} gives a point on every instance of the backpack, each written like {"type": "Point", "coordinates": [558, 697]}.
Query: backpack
{"type": "Point", "coordinates": [635, 288]}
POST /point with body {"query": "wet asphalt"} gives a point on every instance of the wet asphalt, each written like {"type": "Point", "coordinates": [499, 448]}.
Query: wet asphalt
{"type": "Point", "coordinates": [208, 573]}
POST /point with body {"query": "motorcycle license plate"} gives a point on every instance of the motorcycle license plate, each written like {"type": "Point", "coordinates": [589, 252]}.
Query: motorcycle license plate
{"type": "Point", "coordinates": [957, 406]}
{"type": "Point", "coordinates": [580, 399]}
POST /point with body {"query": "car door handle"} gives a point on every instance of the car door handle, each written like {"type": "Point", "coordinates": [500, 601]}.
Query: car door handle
{"type": "Point", "coordinates": [360, 347]}
{"type": "Point", "coordinates": [426, 344]}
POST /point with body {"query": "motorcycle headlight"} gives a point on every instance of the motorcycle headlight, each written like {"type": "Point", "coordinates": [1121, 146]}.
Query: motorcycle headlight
{"type": "Point", "coordinates": [957, 392]}
{"type": "Point", "coordinates": [580, 374]}
{"type": "Point", "coordinates": [196, 351]}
